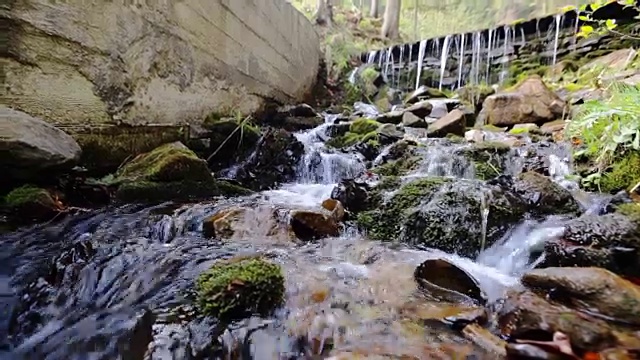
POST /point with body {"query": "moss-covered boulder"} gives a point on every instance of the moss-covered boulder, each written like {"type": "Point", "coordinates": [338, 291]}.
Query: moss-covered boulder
{"type": "Point", "coordinates": [239, 287]}
{"type": "Point", "coordinates": [544, 196]}
{"type": "Point", "coordinates": [444, 214]}
{"type": "Point", "coordinates": [30, 203]}
{"type": "Point", "coordinates": [529, 102]}
{"type": "Point", "coordinates": [169, 172]}
{"type": "Point", "coordinates": [475, 95]}
{"type": "Point", "coordinates": [488, 158]}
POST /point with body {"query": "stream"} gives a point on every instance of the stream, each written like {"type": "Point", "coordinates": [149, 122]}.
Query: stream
{"type": "Point", "coordinates": [117, 283]}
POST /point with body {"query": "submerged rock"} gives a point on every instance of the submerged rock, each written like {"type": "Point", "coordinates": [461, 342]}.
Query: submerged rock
{"type": "Point", "coordinates": [232, 289]}
{"type": "Point", "coordinates": [593, 290]}
{"type": "Point", "coordinates": [229, 140]}
{"type": "Point", "coordinates": [530, 102]}
{"type": "Point", "coordinates": [448, 282]}
{"type": "Point", "coordinates": [354, 195]}
{"type": "Point", "coordinates": [31, 146]}
{"type": "Point", "coordinates": [335, 207]}
{"type": "Point", "coordinates": [525, 315]}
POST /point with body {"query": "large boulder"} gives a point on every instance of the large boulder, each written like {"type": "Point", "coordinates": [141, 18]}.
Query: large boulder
{"type": "Point", "coordinates": [452, 123]}
{"type": "Point", "coordinates": [169, 172]}
{"type": "Point", "coordinates": [529, 102]}
{"type": "Point", "coordinates": [30, 146]}
{"type": "Point", "coordinates": [544, 196]}
{"type": "Point", "coordinates": [443, 214]}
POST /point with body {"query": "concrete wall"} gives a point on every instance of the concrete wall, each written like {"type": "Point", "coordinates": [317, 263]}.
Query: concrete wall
{"type": "Point", "coordinates": [77, 62]}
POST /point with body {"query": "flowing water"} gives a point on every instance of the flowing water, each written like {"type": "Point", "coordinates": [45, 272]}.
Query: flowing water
{"type": "Point", "coordinates": [117, 282]}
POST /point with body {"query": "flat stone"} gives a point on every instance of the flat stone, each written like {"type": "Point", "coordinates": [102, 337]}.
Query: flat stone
{"type": "Point", "coordinates": [452, 123]}
{"type": "Point", "coordinates": [411, 120]}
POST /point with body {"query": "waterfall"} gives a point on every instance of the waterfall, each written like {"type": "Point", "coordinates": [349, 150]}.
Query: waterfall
{"type": "Point", "coordinates": [423, 46]}
{"type": "Point", "coordinates": [443, 58]}
{"type": "Point", "coordinates": [489, 55]}
{"type": "Point", "coordinates": [558, 21]}
{"type": "Point", "coordinates": [461, 60]}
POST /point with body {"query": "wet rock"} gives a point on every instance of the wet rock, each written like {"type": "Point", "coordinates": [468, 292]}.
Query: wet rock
{"type": "Point", "coordinates": [411, 120]}
{"type": "Point", "coordinates": [441, 107]}
{"type": "Point", "coordinates": [524, 128]}
{"type": "Point", "coordinates": [524, 315]}
{"type": "Point", "coordinates": [420, 109]}
{"type": "Point", "coordinates": [229, 140]}
{"type": "Point", "coordinates": [337, 130]}
{"type": "Point", "coordinates": [475, 95]}
{"type": "Point", "coordinates": [423, 92]}
{"type": "Point", "coordinates": [553, 127]}
{"type": "Point", "coordinates": [448, 282]}
{"type": "Point", "coordinates": [533, 352]}
{"type": "Point", "coordinates": [452, 123]}
{"type": "Point", "coordinates": [437, 213]}
{"type": "Point", "coordinates": [31, 203]}
{"type": "Point", "coordinates": [310, 225]}
{"type": "Point", "coordinates": [392, 117]}
{"type": "Point", "coordinates": [31, 147]}
{"type": "Point", "coordinates": [294, 118]}
{"type": "Point", "coordinates": [221, 224]}
{"type": "Point", "coordinates": [489, 158]}
{"type": "Point", "coordinates": [368, 80]}
{"type": "Point", "coordinates": [355, 196]}
{"type": "Point", "coordinates": [593, 290]}
{"type": "Point", "coordinates": [485, 339]}
{"type": "Point", "coordinates": [169, 172]}
{"type": "Point", "coordinates": [544, 196]}
{"type": "Point", "coordinates": [300, 110]}
{"type": "Point", "coordinates": [335, 207]}
{"type": "Point", "coordinates": [609, 241]}
{"type": "Point", "coordinates": [273, 160]}
{"type": "Point", "coordinates": [389, 133]}
{"type": "Point", "coordinates": [529, 102]}
{"type": "Point", "coordinates": [234, 288]}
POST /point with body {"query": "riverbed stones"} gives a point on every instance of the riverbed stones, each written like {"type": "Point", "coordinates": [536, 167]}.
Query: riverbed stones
{"type": "Point", "coordinates": [529, 102]}
{"type": "Point", "coordinates": [234, 288]}
{"type": "Point", "coordinates": [423, 92]}
{"type": "Point", "coordinates": [448, 282]}
{"type": "Point", "coordinates": [589, 289]}
{"type": "Point", "coordinates": [420, 109]}
{"type": "Point", "coordinates": [31, 147]}
{"type": "Point", "coordinates": [30, 202]}
{"type": "Point", "coordinates": [452, 123]}
{"type": "Point", "coordinates": [391, 117]}
{"type": "Point", "coordinates": [544, 196]}
{"type": "Point", "coordinates": [294, 118]}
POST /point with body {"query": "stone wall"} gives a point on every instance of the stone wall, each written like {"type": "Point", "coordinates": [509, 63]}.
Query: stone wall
{"type": "Point", "coordinates": [79, 62]}
{"type": "Point", "coordinates": [491, 55]}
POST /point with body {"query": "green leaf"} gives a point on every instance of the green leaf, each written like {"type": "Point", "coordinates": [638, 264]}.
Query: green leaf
{"type": "Point", "coordinates": [584, 18]}
{"type": "Point", "coordinates": [611, 24]}
{"type": "Point", "coordinates": [586, 29]}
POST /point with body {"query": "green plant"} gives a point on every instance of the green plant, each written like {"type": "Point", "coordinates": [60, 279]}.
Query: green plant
{"type": "Point", "coordinates": [600, 27]}
{"type": "Point", "coordinates": [608, 129]}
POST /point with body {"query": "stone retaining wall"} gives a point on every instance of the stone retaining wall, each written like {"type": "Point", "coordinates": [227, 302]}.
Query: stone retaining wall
{"type": "Point", "coordinates": [91, 62]}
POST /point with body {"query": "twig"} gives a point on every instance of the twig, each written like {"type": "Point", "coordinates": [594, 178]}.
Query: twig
{"type": "Point", "coordinates": [228, 137]}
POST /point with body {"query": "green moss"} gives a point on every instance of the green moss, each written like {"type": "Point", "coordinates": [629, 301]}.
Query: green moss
{"type": "Point", "coordinates": [475, 95]}
{"type": "Point", "coordinates": [389, 183]}
{"type": "Point", "coordinates": [398, 167]}
{"type": "Point", "coordinates": [167, 163]}
{"type": "Point", "coordinates": [485, 170]}
{"type": "Point", "coordinates": [384, 223]}
{"type": "Point", "coordinates": [363, 126]}
{"type": "Point", "coordinates": [186, 190]}
{"type": "Point", "coordinates": [632, 210]}
{"type": "Point", "coordinates": [486, 158]}
{"type": "Point", "coordinates": [623, 174]}
{"type": "Point", "coordinates": [492, 128]}
{"type": "Point", "coordinates": [104, 151]}
{"type": "Point", "coordinates": [457, 139]}
{"type": "Point", "coordinates": [233, 289]}
{"type": "Point", "coordinates": [519, 131]}
{"type": "Point", "coordinates": [27, 194]}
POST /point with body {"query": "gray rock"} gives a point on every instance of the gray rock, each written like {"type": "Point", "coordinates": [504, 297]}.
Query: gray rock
{"type": "Point", "coordinates": [390, 131]}
{"type": "Point", "coordinates": [452, 123]}
{"type": "Point", "coordinates": [420, 109]}
{"type": "Point", "coordinates": [411, 120]}
{"type": "Point", "coordinates": [30, 145]}
{"type": "Point", "coordinates": [392, 117]}
{"type": "Point", "coordinates": [441, 107]}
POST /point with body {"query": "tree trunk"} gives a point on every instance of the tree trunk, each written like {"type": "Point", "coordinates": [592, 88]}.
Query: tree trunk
{"type": "Point", "coordinates": [324, 12]}
{"type": "Point", "coordinates": [374, 11]}
{"type": "Point", "coordinates": [391, 24]}
{"type": "Point", "coordinates": [415, 21]}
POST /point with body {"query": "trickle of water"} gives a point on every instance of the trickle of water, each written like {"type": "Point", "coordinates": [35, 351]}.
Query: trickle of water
{"type": "Point", "coordinates": [421, 50]}
{"type": "Point", "coordinates": [558, 21]}
{"type": "Point", "coordinates": [461, 59]}
{"type": "Point", "coordinates": [484, 213]}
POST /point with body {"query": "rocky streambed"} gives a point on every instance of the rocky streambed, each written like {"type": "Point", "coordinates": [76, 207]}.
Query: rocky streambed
{"type": "Point", "coordinates": [415, 233]}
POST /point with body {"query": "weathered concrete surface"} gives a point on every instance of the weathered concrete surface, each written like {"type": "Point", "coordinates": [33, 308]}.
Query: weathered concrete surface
{"type": "Point", "coordinates": [77, 61]}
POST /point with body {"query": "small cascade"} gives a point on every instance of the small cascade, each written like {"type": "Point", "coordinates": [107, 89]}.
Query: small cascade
{"type": "Point", "coordinates": [421, 50]}
{"type": "Point", "coordinates": [558, 22]}
{"type": "Point", "coordinates": [443, 59]}
{"type": "Point", "coordinates": [461, 60]}
{"type": "Point", "coordinates": [490, 35]}
{"type": "Point", "coordinates": [484, 212]}
{"type": "Point", "coordinates": [441, 159]}
{"type": "Point", "coordinates": [371, 57]}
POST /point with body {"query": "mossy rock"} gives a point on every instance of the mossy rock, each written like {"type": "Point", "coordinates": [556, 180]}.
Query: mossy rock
{"type": "Point", "coordinates": [230, 139]}
{"type": "Point", "coordinates": [400, 167]}
{"type": "Point", "coordinates": [187, 190]}
{"type": "Point", "coordinates": [363, 126]}
{"type": "Point", "coordinates": [103, 152]}
{"type": "Point", "coordinates": [167, 163]}
{"type": "Point", "coordinates": [236, 288]}
{"type": "Point", "coordinates": [30, 203]}
{"type": "Point", "coordinates": [475, 95]}
{"type": "Point", "coordinates": [623, 174]}
{"type": "Point", "coordinates": [487, 158]}
{"type": "Point", "coordinates": [385, 222]}
{"type": "Point", "coordinates": [545, 197]}
{"type": "Point", "coordinates": [352, 138]}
